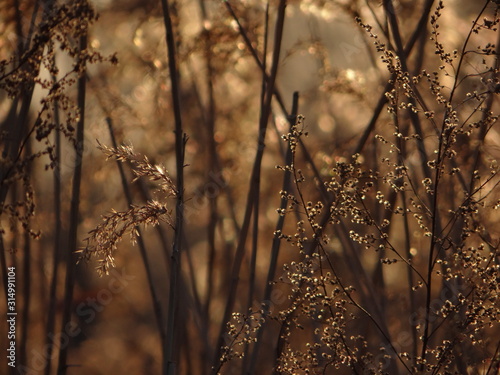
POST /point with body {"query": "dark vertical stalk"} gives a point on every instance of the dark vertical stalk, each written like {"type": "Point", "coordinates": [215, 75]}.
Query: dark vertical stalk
{"type": "Point", "coordinates": [419, 30]}
{"type": "Point", "coordinates": [485, 113]}
{"type": "Point", "coordinates": [256, 203]}
{"type": "Point", "coordinates": [436, 224]}
{"type": "Point", "coordinates": [13, 127]}
{"type": "Point", "coordinates": [140, 243]}
{"type": "Point", "coordinates": [254, 180]}
{"type": "Point", "coordinates": [214, 169]}
{"type": "Point", "coordinates": [411, 282]}
{"type": "Point", "coordinates": [71, 257]}
{"type": "Point", "coordinates": [407, 238]}
{"type": "Point", "coordinates": [195, 302]}
{"type": "Point", "coordinates": [275, 248]}
{"type": "Point", "coordinates": [51, 316]}
{"type": "Point", "coordinates": [495, 362]}
{"type": "Point", "coordinates": [382, 329]}
{"type": "Point", "coordinates": [19, 28]}
{"type": "Point", "coordinates": [209, 117]}
{"type": "Point", "coordinates": [402, 54]}
{"type": "Point", "coordinates": [180, 143]}
{"type": "Point", "coordinates": [255, 224]}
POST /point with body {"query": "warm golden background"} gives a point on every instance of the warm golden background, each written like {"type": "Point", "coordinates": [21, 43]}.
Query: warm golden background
{"type": "Point", "coordinates": [334, 65]}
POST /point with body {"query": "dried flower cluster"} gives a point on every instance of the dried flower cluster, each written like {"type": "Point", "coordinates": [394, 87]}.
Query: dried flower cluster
{"type": "Point", "coordinates": [424, 210]}
{"type": "Point", "coordinates": [33, 67]}
{"type": "Point", "coordinates": [103, 240]}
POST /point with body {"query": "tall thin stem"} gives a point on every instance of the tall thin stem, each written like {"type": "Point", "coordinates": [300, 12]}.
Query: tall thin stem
{"type": "Point", "coordinates": [71, 257]}
{"type": "Point", "coordinates": [254, 180]}
{"type": "Point", "coordinates": [140, 242]}
{"type": "Point", "coordinates": [275, 248]}
{"type": "Point", "coordinates": [180, 143]}
{"type": "Point", "coordinates": [56, 256]}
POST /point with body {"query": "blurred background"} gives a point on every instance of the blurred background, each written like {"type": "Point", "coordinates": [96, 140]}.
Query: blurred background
{"type": "Point", "coordinates": [326, 56]}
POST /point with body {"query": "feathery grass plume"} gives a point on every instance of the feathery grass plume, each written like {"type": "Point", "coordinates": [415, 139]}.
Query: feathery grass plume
{"type": "Point", "coordinates": [103, 240]}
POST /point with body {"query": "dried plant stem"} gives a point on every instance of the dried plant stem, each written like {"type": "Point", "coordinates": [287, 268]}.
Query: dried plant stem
{"type": "Point", "coordinates": [56, 257]}
{"type": "Point", "coordinates": [277, 93]}
{"type": "Point", "coordinates": [255, 55]}
{"type": "Point", "coordinates": [401, 53]}
{"type": "Point", "coordinates": [411, 282]}
{"type": "Point", "coordinates": [13, 149]}
{"type": "Point", "coordinates": [256, 203]}
{"type": "Point", "coordinates": [254, 180]}
{"type": "Point", "coordinates": [71, 257]}
{"type": "Point", "coordinates": [180, 143]}
{"type": "Point", "coordinates": [254, 251]}
{"type": "Point", "coordinates": [419, 30]}
{"type": "Point", "coordinates": [436, 222]}
{"type": "Point", "coordinates": [193, 304]}
{"type": "Point", "coordinates": [379, 322]}
{"type": "Point", "coordinates": [140, 242]}
{"type": "Point", "coordinates": [495, 362]}
{"type": "Point", "coordinates": [208, 113]}
{"type": "Point", "coordinates": [16, 122]}
{"type": "Point", "coordinates": [485, 113]}
{"type": "Point", "coordinates": [408, 251]}
{"type": "Point", "coordinates": [275, 247]}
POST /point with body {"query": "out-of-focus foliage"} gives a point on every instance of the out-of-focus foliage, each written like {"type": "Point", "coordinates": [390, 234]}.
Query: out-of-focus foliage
{"type": "Point", "coordinates": [389, 239]}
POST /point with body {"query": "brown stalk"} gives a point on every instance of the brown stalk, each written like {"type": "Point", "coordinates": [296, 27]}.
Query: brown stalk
{"type": "Point", "coordinates": [71, 257]}
{"type": "Point", "coordinates": [275, 247]}
{"type": "Point", "coordinates": [192, 303]}
{"type": "Point", "coordinates": [140, 242]}
{"type": "Point", "coordinates": [180, 143]}
{"type": "Point", "coordinates": [419, 30]}
{"type": "Point", "coordinates": [255, 224]}
{"type": "Point", "coordinates": [254, 180]}
{"type": "Point", "coordinates": [407, 237]}
{"type": "Point", "coordinates": [56, 257]}
{"type": "Point", "coordinates": [383, 331]}
{"type": "Point", "coordinates": [436, 224]}
{"type": "Point", "coordinates": [208, 113]}
{"type": "Point", "coordinates": [401, 53]}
